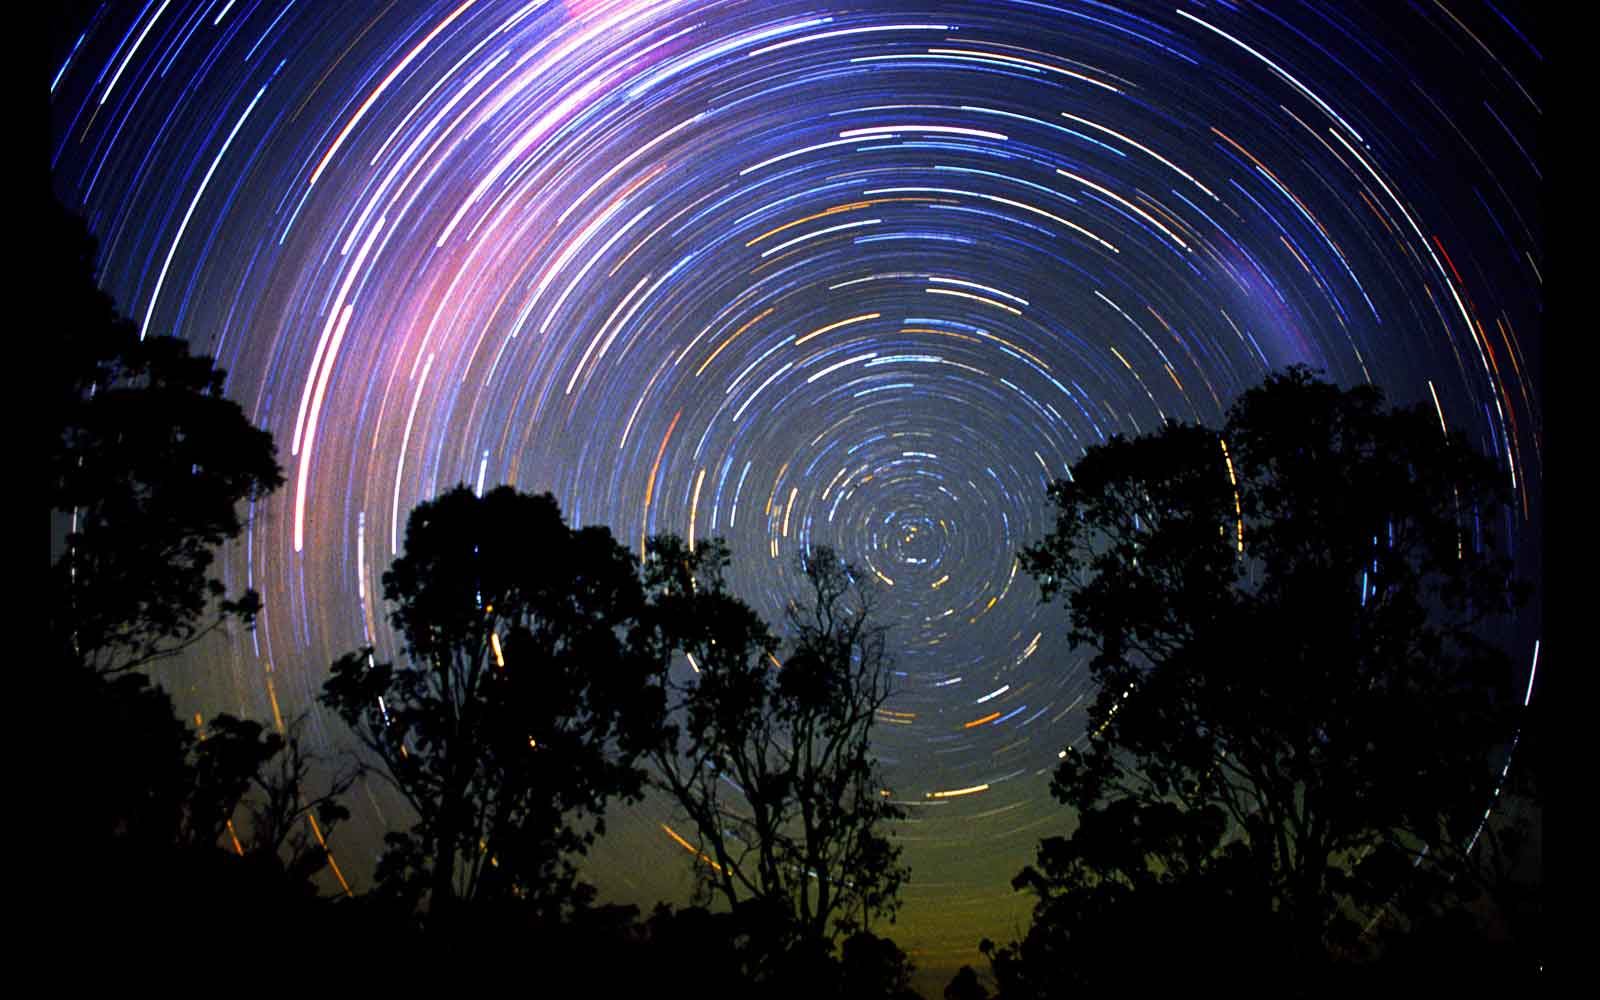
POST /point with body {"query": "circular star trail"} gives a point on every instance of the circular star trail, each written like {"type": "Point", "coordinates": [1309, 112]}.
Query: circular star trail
{"type": "Point", "coordinates": [865, 275]}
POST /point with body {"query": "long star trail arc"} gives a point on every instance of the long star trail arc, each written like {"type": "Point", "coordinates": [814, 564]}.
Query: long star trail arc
{"type": "Point", "coordinates": [795, 274]}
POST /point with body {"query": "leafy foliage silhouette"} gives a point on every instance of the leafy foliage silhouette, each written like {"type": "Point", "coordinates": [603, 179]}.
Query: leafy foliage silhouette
{"type": "Point", "coordinates": [1291, 626]}
{"type": "Point", "coordinates": [149, 467]}
{"type": "Point", "coordinates": [965, 985]}
{"type": "Point", "coordinates": [771, 759]}
{"type": "Point", "coordinates": [507, 726]}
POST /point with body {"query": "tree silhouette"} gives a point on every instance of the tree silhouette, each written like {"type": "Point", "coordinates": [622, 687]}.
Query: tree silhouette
{"type": "Point", "coordinates": [504, 726]}
{"type": "Point", "coordinates": [149, 467]}
{"type": "Point", "coordinates": [964, 985]}
{"type": "Point", "coordinates": [284, 821]}
{"type": "Point", "coordinates": [150, 806]}
{"type": "Point", "coordinates": [771, 759]}
{"type": "Point", "coordinates": [874, 968]}
{"type": "Point", "coordinates": [1298, 699]}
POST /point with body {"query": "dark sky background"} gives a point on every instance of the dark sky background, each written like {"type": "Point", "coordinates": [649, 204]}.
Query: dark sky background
{"type": "Point", "coordinates": [865, 275]}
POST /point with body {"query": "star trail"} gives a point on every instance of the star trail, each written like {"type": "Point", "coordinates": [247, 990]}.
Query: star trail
{"type": "Point", "coordinates": [865, 275]}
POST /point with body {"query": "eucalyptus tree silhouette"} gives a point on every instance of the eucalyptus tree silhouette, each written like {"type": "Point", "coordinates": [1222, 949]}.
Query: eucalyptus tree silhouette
{"type": "Point", "coordinates": [150, 469]}
{"type": "Point", "coordinates": [1290, 621]}
{"type": "Point", "coordinates": [505, 725]}
{"type": "Point", "coordinates": [769, 756]}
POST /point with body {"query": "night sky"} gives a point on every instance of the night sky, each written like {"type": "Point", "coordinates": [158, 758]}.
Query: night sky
{"type": "Point", "coordinates": [864, 275]}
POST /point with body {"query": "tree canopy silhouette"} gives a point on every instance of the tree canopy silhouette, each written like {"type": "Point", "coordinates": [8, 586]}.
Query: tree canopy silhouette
{"type": "Point", "coordinates": [505, 726]}
{"type": "Point", "coordinates": [1298, 698]}
{"type": "Point", "coordinates": [965, 985]}
{"type": "Point", "coordinates": [770, 758]}
{"type": "Point", "coordinates": [150, 466]}
{"type": "Point", "coordinates": [149, 469]}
